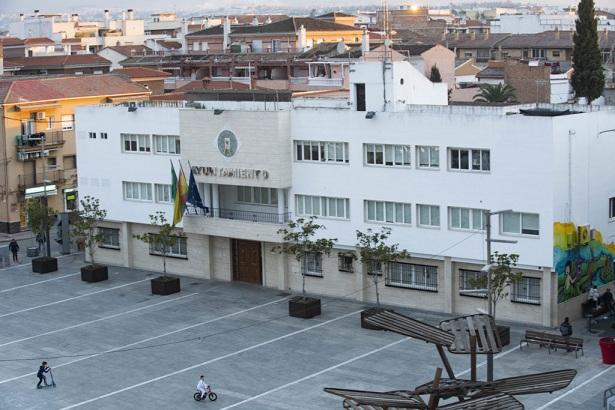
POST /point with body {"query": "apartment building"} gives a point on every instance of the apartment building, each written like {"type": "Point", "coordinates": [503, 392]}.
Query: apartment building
{"type": "Point", "coordinates": [388, 153]}
{"type": "Point", "coordinates": [43, 107]}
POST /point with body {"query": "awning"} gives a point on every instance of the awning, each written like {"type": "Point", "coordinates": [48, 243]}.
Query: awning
{"type": "Point", "coordinates": [36, 106]}
{"type": "Point", "coordinates": [39, 191]}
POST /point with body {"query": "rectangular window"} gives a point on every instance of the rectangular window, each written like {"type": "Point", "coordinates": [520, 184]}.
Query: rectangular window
{"type": "Point", "coordinates": [322, 151]}
{"type": "Point", "coordinates": [326, 207]}
{"type": "Point", "coordinates": [469, 159]}
{"type": "Point", "coordinates": [50, 122]}
{"type": "Point", "coordinates": [538, 53]}
{"type": "Point", "coordinates": [257, 195]}
{"type": "Point", "coordinates": [428, 215]}
{"type": "Point", "coordinates": [555, 53]}
{"type": "Point", "coordinates": [135, 143]}
{"type": "Point", "coordinates": [312, 264]}
{"type": "Point", "coordinates": [428, 157]}
{"type": "Point", "coordinates": [389, 212]}
{"type": "Point", "coordinates": [110, 238]}
{"type": "Point", "coordinates": [178, 250]}
{"type": "Point", "coordinates": [467, 283]}
{"type": "Point", "coordinates": [527, 290]}
{"type": "Point", "coordinates": [92, 135]}
{"type": "Point", "coordinates": [520, 223]}
{"type": "Point", "coordinates": [103, 135]}
{"type": "Point", "coordinates": [612, 208]}
{"type": "Point", "coordinates": [137, 191]}
{"type": "Point", "coordinates": [387, 155]}
{"type": "Point", "coordinates": [466, 218]}
{"type": "Point", "coordinates": [166, 144]}
{"type": "Point", "coordinates": [163, 193]}
{"type": "Point", "coordinates": [68, 122]}
{"type": "Point", "coordinates": [412, 276]}
{"type": "Point", "coordinates": [345, 263]}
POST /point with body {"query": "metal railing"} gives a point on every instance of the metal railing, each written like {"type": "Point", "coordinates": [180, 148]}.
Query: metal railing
{"type": "Point", "coordinates": [241, 215]}
{"type": "Point", "coordinates": [610, 392]}
{"type": "Point", "coordinates": [32, 180]}
{"type": "Point", "coordinates": [33, 140]}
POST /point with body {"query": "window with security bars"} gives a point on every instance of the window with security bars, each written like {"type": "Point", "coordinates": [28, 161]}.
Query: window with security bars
{"type": "Point", "coordinates": [345, 263]}
{"type": "Point", "coordinates": [467, 283]}
{"type": "Point", "coordinates": [526, 290]}
{"type": "Point", "coordinates": [178, 250]}
{"type": "Point", "coordinates": [110, 238]}
{"type": "Point", "coordinates": [312, 264]}
{"type": "Point", "coordinates": [412, 276]}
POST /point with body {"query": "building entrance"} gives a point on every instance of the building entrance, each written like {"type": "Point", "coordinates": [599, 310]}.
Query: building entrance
{"type": "Point", "coordinates": [247, 261]}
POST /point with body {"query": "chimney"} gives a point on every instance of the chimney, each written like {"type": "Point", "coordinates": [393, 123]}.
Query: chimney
{"type": "Point", "coordinates": [556, 33]}
{"type": "Point", "coordinates": [107, 18]}
{"type": "Point", "coordinates": [255, 21]}
{"type": "Point", "coordinates": [226, 30]}
{"type": "Point", "coordinates": [302, 38]}
{"type": "Point", "coordinates": [131, 14]}
{"type": "Point", "coordinates": [473, 36]}
{"type": "Point", "coordinates": [74, 17]}
{"type": "Point", "coordinates": [21, 17]}
{"type": "Point", "coordinates": [1, 60]}
{"type": "Point", "coordinates": [364, 43]}
{"type": "Point", "coordinates": [268, 21]}
{"type": "Point", "coordinates": [35, 13]}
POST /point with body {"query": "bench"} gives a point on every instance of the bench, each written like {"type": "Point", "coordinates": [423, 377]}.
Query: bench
{"type": "Point", "coordinates": [553, 341]}
{"type": "Point", "coordinates": [590, 312]}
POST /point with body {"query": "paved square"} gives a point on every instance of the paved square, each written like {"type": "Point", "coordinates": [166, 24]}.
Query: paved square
{"type": "Point", "coordinates": [114, 345]}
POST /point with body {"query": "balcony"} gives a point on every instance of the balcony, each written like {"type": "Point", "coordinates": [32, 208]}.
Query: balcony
{"type": "Point", "coordinates": [33, 180]}
{"type": "Point", "coordinates": [233, 223]}
{"type": "Point", "coordinates": [29, 146]}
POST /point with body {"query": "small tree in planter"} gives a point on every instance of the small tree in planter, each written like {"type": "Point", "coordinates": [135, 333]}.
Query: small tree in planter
{"type": "Point", "coordinates": [298, 238]}
{"type": "Point", "coordinates": [375, 251]}
{"type": "Point", "coordinates": [161, 242]}
{"type": "Point", "coordinates": [85, 227]}
{"type": "Point", "coordinates": [502, 278]}
{"type": "Point", "coordinates": [40, 223]}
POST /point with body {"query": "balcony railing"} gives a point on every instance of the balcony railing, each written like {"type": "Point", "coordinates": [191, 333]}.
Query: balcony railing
{"type": "Point", "coordinates": [32, 180]}
{"type": "Point", "coordinates": [241, 215]}
{"type": "Point", "coordinates": [32, 142]}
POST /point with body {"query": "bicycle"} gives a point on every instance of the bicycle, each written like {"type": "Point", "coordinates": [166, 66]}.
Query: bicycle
{"type": "Point", "coordinates": [210, 395]}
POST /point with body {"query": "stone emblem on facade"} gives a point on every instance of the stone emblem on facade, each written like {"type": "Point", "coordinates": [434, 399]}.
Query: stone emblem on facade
{"type": "Point", "coordinates": [227, 143]}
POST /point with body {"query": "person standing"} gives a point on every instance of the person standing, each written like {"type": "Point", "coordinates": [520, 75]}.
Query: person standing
{"type": "Point", "coordinates": [14, 248]}
{"type": "Point", "coordinates": [607, 299]}
{"type": "Point", "coordinates": [593, 296]}
{"type": "Point", "coordinates": [40, 240]}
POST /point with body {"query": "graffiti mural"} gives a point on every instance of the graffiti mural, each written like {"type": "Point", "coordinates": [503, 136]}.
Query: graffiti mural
{"type": "Point", "coordinates": [581, 259]}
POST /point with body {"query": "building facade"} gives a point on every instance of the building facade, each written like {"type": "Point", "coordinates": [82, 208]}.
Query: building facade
{"type": "Point", "coordinates": [388, 154]}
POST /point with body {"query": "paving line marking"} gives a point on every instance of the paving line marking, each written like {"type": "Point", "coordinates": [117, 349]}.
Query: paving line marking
{"type": "Point", "coordinates": [30, 263]}
{"type": "Point", "coordinates": [310, 376]}
{"type": "Point", "coordinates": [149, 339]}
{"type": "Point", "coordinates": [73, 298]}
{"type": "Point", "coordinates": [89, 322]}
{"type": "Point", "coordinates": [247, 349]}
{"type": "Point", "coordinates": [555, 400]}
{"type": "Point", "coordinates": [481, 364]}
{"type": "Point", "coordinates": [38, 283]}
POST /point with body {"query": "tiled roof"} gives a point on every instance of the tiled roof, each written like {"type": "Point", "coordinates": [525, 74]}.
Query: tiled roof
{"type": "Point", "coordinates": [290, 25]}
{"type": "Point", "coordinates": [131, 50]}
{"type": "Point", "coordinates": [38, 40]}
{"type": "Point", "coordinates": [84, 60]}
{"type": "Point", "coordinates": [11, 41]}
{"type": "Point", "coordinates": [334, 14]}
{"type": "Point", "coordinates": [551, 39]}
{"type": "Point", "coordinates": [14, 90]}
{"type": "Point", "coordinates": [141, 72]}
{"type": "Point", "coordinates": [171, 45]}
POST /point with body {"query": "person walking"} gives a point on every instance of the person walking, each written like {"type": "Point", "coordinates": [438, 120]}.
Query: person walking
{"type": "Point", "coordinates": [40, 240]}
{"type": "Point", "coordinates": [14, 248]}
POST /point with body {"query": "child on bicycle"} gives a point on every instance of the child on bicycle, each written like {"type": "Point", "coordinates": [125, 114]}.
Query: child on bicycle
{"type": "Point", "coordinates": [41, 374]}
{"type": "Point", "coordinates": [203, 387]}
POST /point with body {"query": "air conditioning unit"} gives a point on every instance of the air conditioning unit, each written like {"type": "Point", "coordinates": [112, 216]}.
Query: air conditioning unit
{"type": "Point", "coordinates": [22, 156]}
{"type": "Point", "coordinates": [40, 115]}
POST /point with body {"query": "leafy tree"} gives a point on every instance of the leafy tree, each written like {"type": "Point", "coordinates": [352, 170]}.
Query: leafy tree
{"type": "Point", "coordinates": [502, 277]}
{"type": "Point", "coordinates": [435, 76]}
{"type": "Point", "coordinates": [588, 76]}
{"type": "Point", "coordinates": [35, 209]}
{"type": "Point", "coordinates": [298, 240]}
{"type": "Point", "coordinates": [495, 93]}
{"type": "Point", "coordinates": [164, 239]}
{"type": "Point", "coordinates": [374, 251]}
{"type": "Point", "coordinates": [85, 225]}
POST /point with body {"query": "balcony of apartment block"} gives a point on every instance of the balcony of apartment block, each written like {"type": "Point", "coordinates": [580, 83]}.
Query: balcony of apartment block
{"type": "Point", "coordinates": [224, 214]}
{"type": "Point", "coordinates": [53, 177]}
{"type": "Point", "coordinates": [30, 146]}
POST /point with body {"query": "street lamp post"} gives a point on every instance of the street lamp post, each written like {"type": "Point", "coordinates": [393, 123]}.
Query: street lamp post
{"type": "Point", "coordinates": [487, 214]}
{"type": "Point", "coordinates": [45, 199]}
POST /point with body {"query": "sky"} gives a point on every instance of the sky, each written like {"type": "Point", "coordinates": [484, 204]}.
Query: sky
{"type": "Point", "coordinates": [10, 6]}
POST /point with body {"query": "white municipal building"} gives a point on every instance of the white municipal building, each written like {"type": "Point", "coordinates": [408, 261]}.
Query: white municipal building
{"type": "Point", "coordinates": [395, 155]}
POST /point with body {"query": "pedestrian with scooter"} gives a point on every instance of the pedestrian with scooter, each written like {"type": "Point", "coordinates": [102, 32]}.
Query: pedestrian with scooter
{"type": "Point", "coordinates": [42, 378]}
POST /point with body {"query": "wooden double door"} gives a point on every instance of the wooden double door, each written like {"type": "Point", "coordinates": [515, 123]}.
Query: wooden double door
{"type": "Point", "coordinates": [247, 261]}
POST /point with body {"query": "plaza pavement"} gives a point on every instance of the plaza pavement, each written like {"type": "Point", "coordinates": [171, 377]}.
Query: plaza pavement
{"type": "Point", "coordinates": [114, 345]}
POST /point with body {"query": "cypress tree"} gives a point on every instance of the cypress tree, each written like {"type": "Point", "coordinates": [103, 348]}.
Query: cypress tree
{"type": "Point", "coordinates": [588, 77]}
{"type": "Point", "coordinates": [435, 76]}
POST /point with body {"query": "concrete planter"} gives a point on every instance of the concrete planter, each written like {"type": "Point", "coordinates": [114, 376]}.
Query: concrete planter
{"type": "Point", "coordinates": [304, 307]}
{"type": "Point", "coordinates": [367, 313]}
{"type": "Point", "coordinates": [44, 264]}
{"type": "Point", "coordinates": [94, 273]}
{"type": "Point", "coordinates": [165, 285]}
